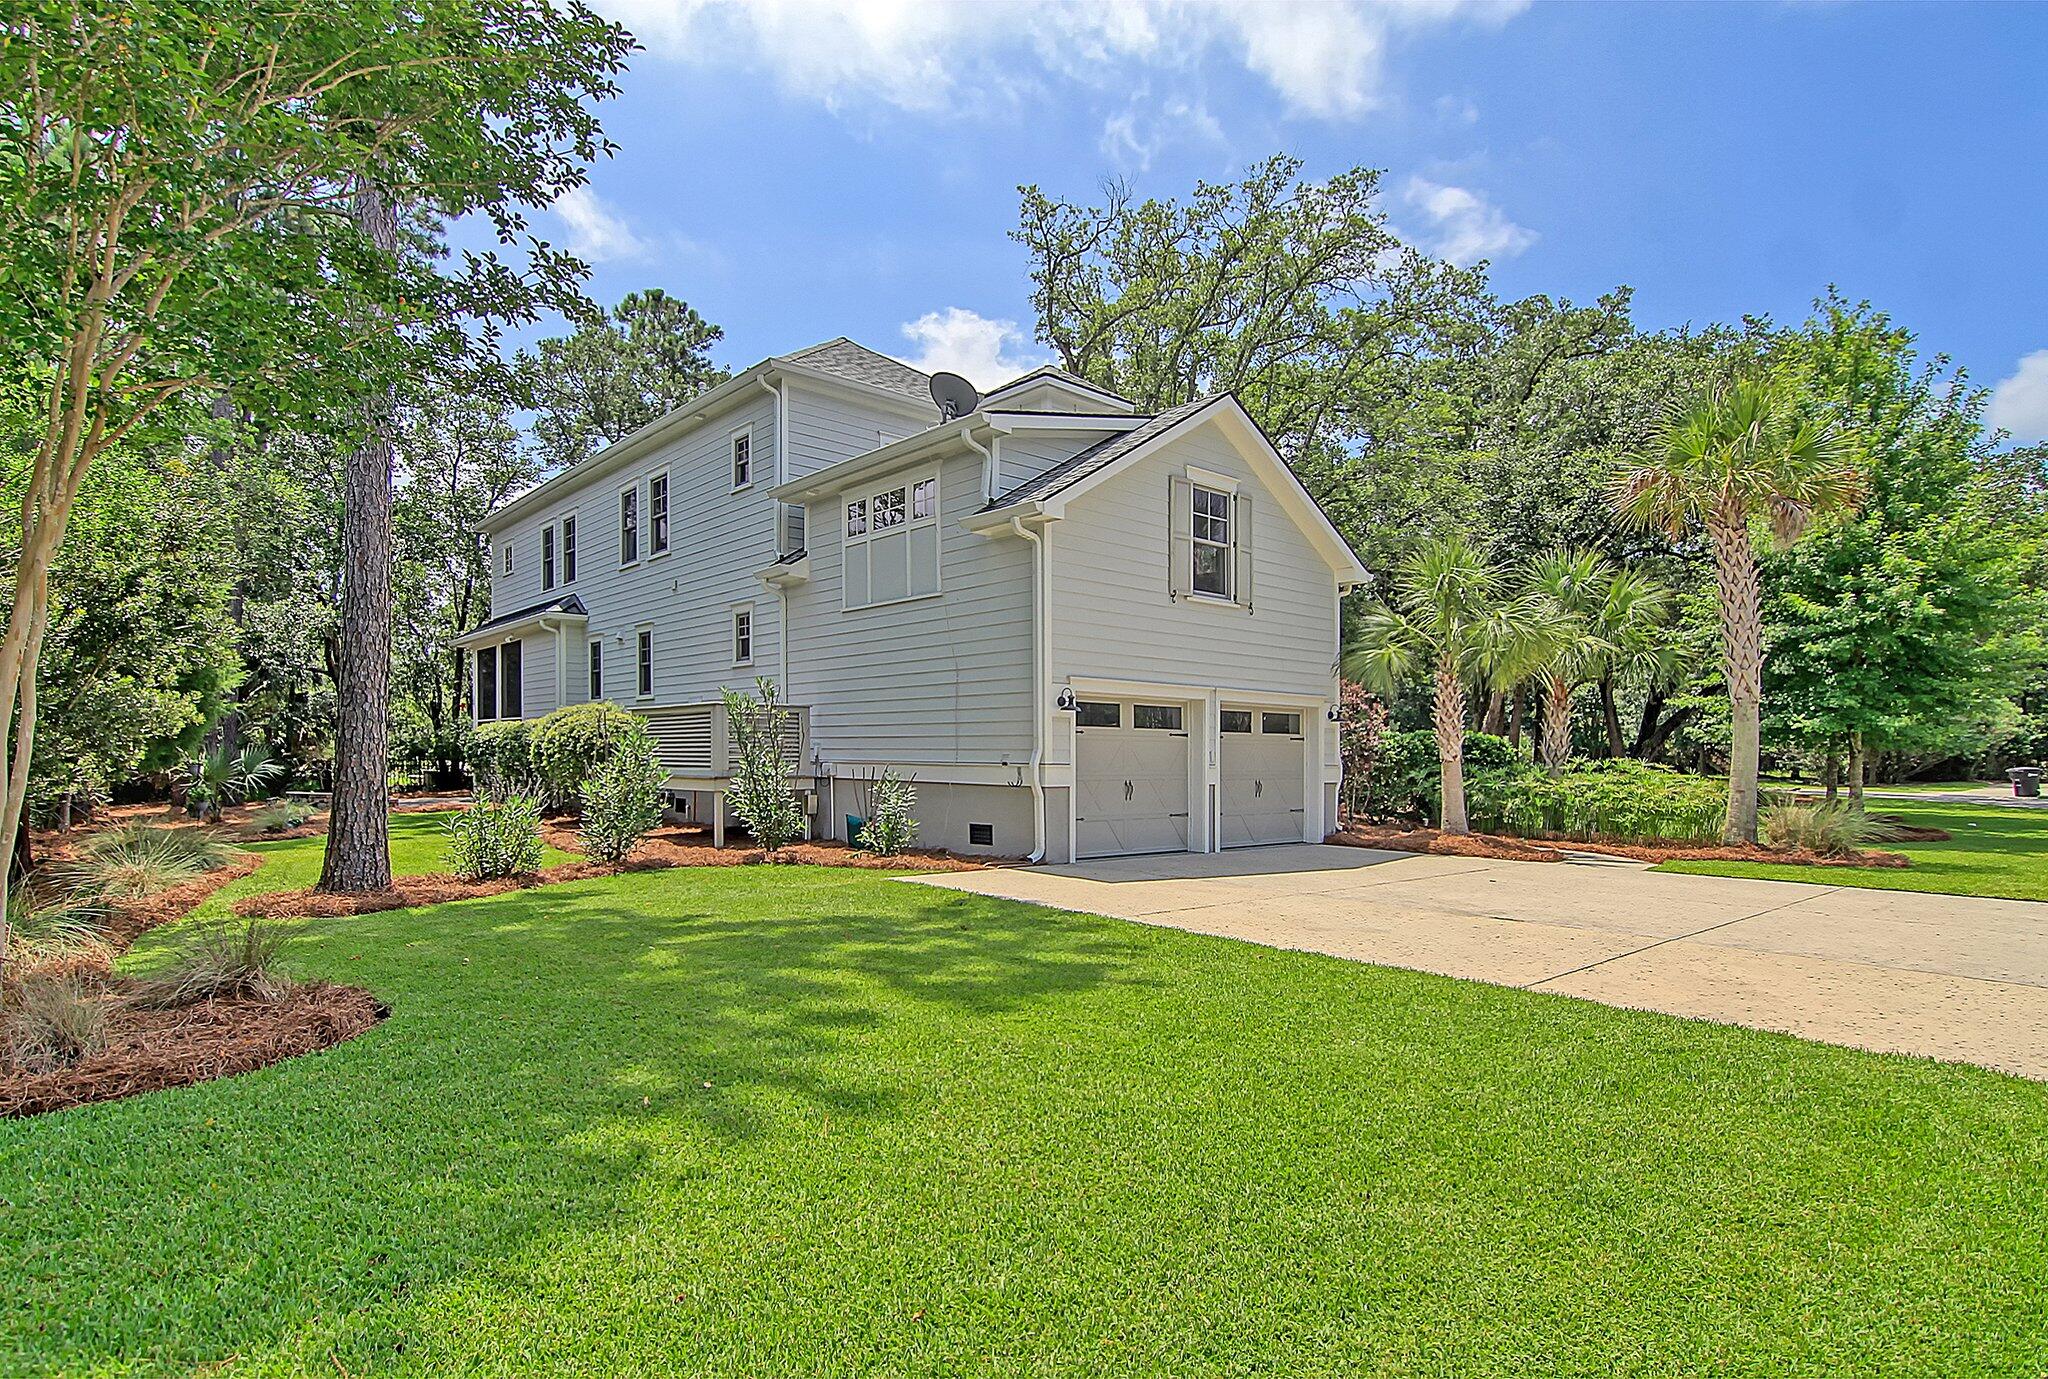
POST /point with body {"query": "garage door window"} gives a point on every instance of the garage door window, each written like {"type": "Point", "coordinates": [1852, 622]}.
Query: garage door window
{"type": "Point", "coordinates": [1088, 714]}
{"type": "Point", "coordinates": [1159, 717]}
{"type": "Point", "coordinates": [1237, 720]}
{"type": "Point", "coordinates": [1285, 724]}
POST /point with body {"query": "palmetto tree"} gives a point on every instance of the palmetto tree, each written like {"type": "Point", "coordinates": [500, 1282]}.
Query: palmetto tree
{"type": "Point", "coordinates": [1452, 619]}
{"type": "Point", "coordinates": [1610, 618]}
{"type": "Point", "coordinates": [1737, 450]}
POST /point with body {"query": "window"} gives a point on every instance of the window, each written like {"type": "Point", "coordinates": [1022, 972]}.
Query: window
{"type": "Point", "coordinates": [596, 670]}
{"type": "Point", "coordinates": [568, 550]}
{"type": "Point", "coordinates": [657, 514]}
{"type": "Point", "coordinates": [1282, 724]}
{"type": "Point", "coordinates": [629, 526]}
{"type": "Point", "coordinates": [1236, 720]}
{"type": "Point", "coordinates": [1161, 717]}
{"type": "Point", "coordinates": [547, 557]}
{"type": "Point", "coordinates": [1212, 542]}
{"type": "Point", "coordinates": [1089, 714]}
{"type": "Point", "coordinates": [892, 544]}
{"type": "Point", "coordinates": [646, 660]}
{"type": "Point", "coordinates": [508, 555]}
{"type": "Point", "coordinates": [742, 636]}
{"type": "Point", "coordinates": [742, 459]}
{"type": "Point", "coordinates": [486, 683]}
{"type": "Point", "coordinates": [511, 702]}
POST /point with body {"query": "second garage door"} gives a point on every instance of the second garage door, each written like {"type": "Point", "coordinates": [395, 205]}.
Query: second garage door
{"type": "Point", "coordinates": [1263, 767]}
{"type": "Point", "coordinates": [1130, 778]}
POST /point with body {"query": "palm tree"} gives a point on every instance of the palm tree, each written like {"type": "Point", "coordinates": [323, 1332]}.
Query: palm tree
{"type": "Point", "coordinates": [1450, 619]}
{"type": "Point", "coordinates": [1737, 450]}
{"type": "Point", "coordinates": [1610, 618]}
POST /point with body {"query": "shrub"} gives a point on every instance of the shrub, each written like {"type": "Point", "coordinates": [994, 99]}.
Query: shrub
{"type": "Point", "coordinates": [1832, 829]}
{"type": "Point", "coordinates": [763, 788]}
{"type": "Point", "coordinates": [220, 962]}
{"type": "Point", "coordinates": [501, 760]}
{"type": "Point", "coordinates": [1407, 778]}
{"type": "Point", "coordinates": [889, 828]}
{"type": "Point", "coordinates": [219, 777]}
{"type": "Point", "coordinates": [1622, 800]}
{"type": "Point", "coordinates": [489, 840]}
{"type": "Point", "coordinates": [53, 1021]}
{"type": "Point", "coordinates": [621, 798]}
{"type": "Point", "coordinates": [572, 742]}
{"type": "Point", "coordinates": [282, 817]}
{"type": "Point", "coordinates": [141, 859]}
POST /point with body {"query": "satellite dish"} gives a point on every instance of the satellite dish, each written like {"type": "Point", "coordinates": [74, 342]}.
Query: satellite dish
{"type": "Point", "coordinates": [955, 395]}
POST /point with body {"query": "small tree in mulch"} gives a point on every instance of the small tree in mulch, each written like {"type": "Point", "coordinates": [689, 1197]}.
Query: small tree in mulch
{"type": "Point", "coordinates": [890, 827]}
{"type": "Point", "coordinates": [763, 770]}
{"type": "Point", "coordinates": [621, 799]}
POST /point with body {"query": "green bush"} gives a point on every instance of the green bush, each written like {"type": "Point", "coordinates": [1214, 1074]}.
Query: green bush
{"type": "Point", "coordinates": [1622, 800]}
{"type": "Point", "coordinates": [501, 760]}
{"type": "Point", "coordinates": [569, 744]}
{"type": "Point", "coordinates": [621, 798]}
{"type": "Point", "coordinates": [490, 840]}
{"type": "Point", "coordinates": [1407, 782]}
{"type": "Point", "coordinates": [889, 828]}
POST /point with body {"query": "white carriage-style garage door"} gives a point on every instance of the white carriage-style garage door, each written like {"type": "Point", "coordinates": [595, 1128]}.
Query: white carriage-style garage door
{"type": "Point", "coordinates": [1130, 778]}
{"type": "Point", "coordinates": [1263, 767]}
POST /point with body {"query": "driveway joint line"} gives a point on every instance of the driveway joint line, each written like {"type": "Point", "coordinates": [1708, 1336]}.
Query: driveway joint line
{"type": "Point", "coordinates": [1675, 938]}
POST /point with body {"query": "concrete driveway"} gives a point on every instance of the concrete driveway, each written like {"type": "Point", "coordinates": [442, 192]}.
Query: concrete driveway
{"type": "Point", "coordinates": [1946, 976]}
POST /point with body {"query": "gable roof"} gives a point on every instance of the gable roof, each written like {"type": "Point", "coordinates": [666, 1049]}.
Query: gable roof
{"type": "Point", "coordinates": [1100, 455]}
{"type": "Point", "coordinates": [1051, 373]}
{"type": "Point", "coordinates": [842, 358]}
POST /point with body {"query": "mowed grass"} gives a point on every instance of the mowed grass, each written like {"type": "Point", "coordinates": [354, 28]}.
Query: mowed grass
{"type": "Point", "coordinates": [798, 1121]}
{"type": "Point", "coordinates": [1995, 850]}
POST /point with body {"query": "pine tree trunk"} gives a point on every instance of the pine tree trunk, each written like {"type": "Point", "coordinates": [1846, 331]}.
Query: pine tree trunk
{"type": "Point", "coordinates": [1557, 724]}
{"type": "Point", "coordinates": [358, 824]}
{"type": "Point", "coordinates": [1742, 659]}
{"type": "Point", "coordinates": [1449, 718]}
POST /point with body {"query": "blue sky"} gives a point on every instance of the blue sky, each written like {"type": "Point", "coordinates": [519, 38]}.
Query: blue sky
{"type": "Point", "coordinates": [799, 169]}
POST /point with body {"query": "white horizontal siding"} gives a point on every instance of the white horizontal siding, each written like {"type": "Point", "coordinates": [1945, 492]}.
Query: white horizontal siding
{"type": "Point", "coordinates": [827, 427]}
{"type": "Point", "coordinates": [1028, 454]}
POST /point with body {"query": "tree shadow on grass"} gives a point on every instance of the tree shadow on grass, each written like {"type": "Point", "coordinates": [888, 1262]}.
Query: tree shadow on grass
{"type": "Point", "coordinates": [549, 1051]}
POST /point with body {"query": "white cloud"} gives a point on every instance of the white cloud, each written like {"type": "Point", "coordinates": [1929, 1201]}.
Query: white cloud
{"type": "Point", "coordinates": [2020, 403]}
{"type": "Point", "coordinates": [1135, 136]}
{"type": "Point", "coordinates": [597, 234]}
{"type": "Point", "coordinates": [983, 350]}
{"type": "Point", "coordinates": [1464, 227]}
{"type": "Point", "coordinates": [1322, 57]}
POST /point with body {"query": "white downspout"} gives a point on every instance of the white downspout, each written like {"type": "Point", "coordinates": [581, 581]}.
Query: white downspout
{"type": "Point", "coordinates": [781, 395]}
{"type": "Point", "coordinates": [1037, 688]}
{"type": "Point", "coordinates": [988, 463]}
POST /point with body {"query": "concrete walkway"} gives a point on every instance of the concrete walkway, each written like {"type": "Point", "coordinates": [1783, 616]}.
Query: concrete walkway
{"type": "Point", "coordinates": [1946, 976]}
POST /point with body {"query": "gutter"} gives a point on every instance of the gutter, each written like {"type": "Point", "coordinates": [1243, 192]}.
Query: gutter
{"type": "Point", "coordinates": [1037, 541]}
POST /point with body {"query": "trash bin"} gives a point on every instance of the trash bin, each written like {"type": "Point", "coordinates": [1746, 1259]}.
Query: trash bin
{"type": "Point", "coordinates": [2026, 781]}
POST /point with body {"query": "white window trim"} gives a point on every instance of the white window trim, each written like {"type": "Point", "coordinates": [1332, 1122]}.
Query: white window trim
{"type": "Point", "coordinates": [593, 669]}
{"type": "Point", "coordinates": [550, 555]}
{"type": "Point", "coordinates": [731, 443]}
{"type": "Point", "coordinates": [734, 630]}
{"type": "Point", "coordinates": [645, 629]}
{"type": "Point", "coordinates": [1198, 482]}
{"type": "Point", "coordinates": [647, 518]}
{"type": "Point", "coordinates": [868, 494]}
{"type": "Point", "coordinates": [639, 526]}
{"type": "Point", "coordinates": [505, 556]}
{"type": "Point", "coordinates": [1209, 478]}
{"type": "Point", "coordinates": [563, 543]}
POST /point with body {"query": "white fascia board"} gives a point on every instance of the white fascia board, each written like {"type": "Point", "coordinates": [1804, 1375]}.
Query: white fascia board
{"type": "Point", "coordinates": [1010, 422]}
{"type": "Point", "coordinates": [505, 631]}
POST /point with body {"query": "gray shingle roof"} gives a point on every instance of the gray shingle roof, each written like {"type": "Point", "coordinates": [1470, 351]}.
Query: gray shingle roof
{"type": "Point", "coordinates": [1100, 455]}
{"type": "Point", "coordinates": [859, 364]}
{"type": "Point", "coordinates": [568, 603]}
{"type": "Point", "coordinates": [1064, 375]}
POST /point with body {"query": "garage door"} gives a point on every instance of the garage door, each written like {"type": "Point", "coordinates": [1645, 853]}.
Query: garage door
{"type": "Point", "coordinates": [1130, 778]}
{"type": "Point", "coordinates": [1264, 761]}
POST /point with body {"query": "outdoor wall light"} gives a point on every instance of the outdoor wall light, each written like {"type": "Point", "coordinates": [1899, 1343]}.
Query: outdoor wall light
{"type": "Point", "coordinates": [1066, 702]}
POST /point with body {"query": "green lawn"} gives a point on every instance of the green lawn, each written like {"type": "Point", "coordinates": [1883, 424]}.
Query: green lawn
{"type": "Point", "coordinates": [799, 1121]}
{"type": "Point", "coordinates": [1997, 850]}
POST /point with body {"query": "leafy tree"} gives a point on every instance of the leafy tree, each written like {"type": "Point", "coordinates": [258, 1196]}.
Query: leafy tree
{"type": "Point", "coordinates": [1452, 619]}
{"type": "Point", "coordinates": [763, 789]}
{"type": "Point", "coordinates": [172, 202]}
{"type": "Point", "coordinates": [1736, 450]}
{"type": "Point", "coordinates": [1609, 618]}
{"type": "Point", "coordinates": [616, 373]}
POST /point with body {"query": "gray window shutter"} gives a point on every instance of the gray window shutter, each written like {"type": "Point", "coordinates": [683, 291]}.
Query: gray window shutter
{"type": "Point", "coordinates": [1180, 545]}
{"type": "Point", "coordinates": [1241, 539]}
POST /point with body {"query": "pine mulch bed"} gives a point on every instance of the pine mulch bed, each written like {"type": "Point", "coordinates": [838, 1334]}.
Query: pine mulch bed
{"type": "Point", "coordinates": [674, 846]}
{"type": "Point", "coordinates": [1511, 849]}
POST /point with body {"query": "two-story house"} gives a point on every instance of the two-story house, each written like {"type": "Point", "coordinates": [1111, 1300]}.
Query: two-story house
{"type": "Point", "coordinates": [1082, 631]}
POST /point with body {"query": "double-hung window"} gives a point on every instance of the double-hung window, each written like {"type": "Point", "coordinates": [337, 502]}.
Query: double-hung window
{"type": "Point", "coordinates": [568, 550]}
{"type": "Point", "coordinates": [742, 459]}
{"type": "Point", "coordinates": [629, 525]}
{"type": "Point", "coordinates": [645, 659]}
{"type": "Point", "coordinates": [596, 669]}
{"type": "Point", "coordinates": [1212, 542]}
{"type": "Point", "coordinates": [657, 514]}
{"type": "Point", "coordinates": [547, 558]}
{"type": "Point", "coordinates": [743, 636]}
{"type": "Point", "coordinates": [892, 543]}
{"type": "Point", "coordinates": [508, 555]}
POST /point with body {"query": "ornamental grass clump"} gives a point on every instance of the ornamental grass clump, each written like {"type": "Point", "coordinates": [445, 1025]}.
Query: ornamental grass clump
{"type": "Point", "coordinates": [281, 817]}
{"type": "Point", "coordinates": [220, 962]}
{"type": "Point", "coordinates": [50, 1022]}
{"type": "Point", "coordinates": [487, 840]}
{"type": "Point", "coordinates": [1831, 828]}
{"type": "Point", "coordinates": [141, 859]}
